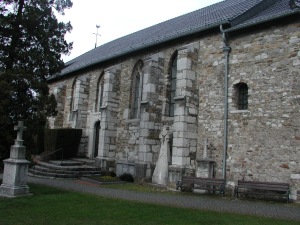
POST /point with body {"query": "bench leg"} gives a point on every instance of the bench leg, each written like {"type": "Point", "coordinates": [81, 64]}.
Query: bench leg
{"type": "Point", "coordinates": [179, 185]}
{"type": "Point", "coordinates": [222, 190]}
{"type": "Point", "coordinates": [236, 192]}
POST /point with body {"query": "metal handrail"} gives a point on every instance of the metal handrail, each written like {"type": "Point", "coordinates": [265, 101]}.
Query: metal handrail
{"type": "Point", "coordinates": [50, 153]}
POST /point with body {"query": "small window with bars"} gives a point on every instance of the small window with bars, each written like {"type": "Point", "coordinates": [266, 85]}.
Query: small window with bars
{"type": "Point", "coordinates": [241, 96]}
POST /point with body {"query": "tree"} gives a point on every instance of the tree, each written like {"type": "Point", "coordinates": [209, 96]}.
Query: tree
{"type": "Point", "coordinates": [31, 44]}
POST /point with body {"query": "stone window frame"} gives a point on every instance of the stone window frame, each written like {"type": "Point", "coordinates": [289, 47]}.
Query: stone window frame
{"type": "Point", "coordinates": [99, 92]}
{"type": "Point", "coordinates": [240, 96]}
{"type": "Point", "coordinates": [75, 95]}
{"type": "Point", "coordinates": [171, 86]}
{"type": "Point", "coordinates": [136, 89]}
{"type": "Point", "coordinates": [74, 103]}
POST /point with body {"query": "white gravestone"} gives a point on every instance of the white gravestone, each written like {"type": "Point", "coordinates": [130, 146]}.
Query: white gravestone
{"type": "Point", "coordinates": [161, 171]}
{"type": "Point", "coordinates": [16, 168]}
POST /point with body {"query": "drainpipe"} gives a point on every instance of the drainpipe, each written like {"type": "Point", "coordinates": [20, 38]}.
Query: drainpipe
{"type": "Point", "coordinates": [226, 50]}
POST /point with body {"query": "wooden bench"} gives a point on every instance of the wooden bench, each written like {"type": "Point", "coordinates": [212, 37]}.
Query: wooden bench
{"type": "Point", "coordinates": [262, 188]}
{"type": "Point", "coordinates": [215, 185]}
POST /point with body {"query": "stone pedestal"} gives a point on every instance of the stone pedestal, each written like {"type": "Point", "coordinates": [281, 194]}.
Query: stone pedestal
{"type": "Point", "coordinates": [295, 188]}
{"type": "Point", "coordinates": [205, 168]}
{"type": "Point", "coordinates": [176, 172]}
{"type": "Point", "coordinates": [141, 169]}
{"type": "Point", "coordinates": [15, 169]}
{"type": "Point", "coordinates": [125, 167]}
{"type": "Point", "coordinates": [14, 178]}
{"type": "Point", "coordinates": [105, 163]}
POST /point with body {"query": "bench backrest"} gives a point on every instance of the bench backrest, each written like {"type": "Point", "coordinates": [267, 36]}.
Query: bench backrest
{"type": "Point", "coordinates": [275, 186]}
{"type": "Point", "coordinates": [198, 180]}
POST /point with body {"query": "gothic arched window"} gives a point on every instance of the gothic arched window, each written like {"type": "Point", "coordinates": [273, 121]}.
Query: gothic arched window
{"type": "Point", "coordinates": [74, 102]}
{"type": "Point", "coordinates": [137, 89]}
{"type": "Point", "coordinates": [75, 95]}
{"type": "Point", "coordinates": [172, 88]}
{"type": "Point", "coordinates": [99, 93]}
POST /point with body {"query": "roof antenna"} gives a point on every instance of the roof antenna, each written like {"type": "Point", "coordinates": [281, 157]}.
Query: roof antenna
{"type": "Point", "coordinates": [97, 26]}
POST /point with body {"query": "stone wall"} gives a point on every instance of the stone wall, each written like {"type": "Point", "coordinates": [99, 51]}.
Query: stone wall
{"type": "Point", "coordinates": [263, 141]}
{"type": "Point", "coordinates": [210, 81]}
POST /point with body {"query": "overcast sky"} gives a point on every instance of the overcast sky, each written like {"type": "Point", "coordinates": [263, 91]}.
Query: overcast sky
{"type": "Point", "coordinates": [118, 18]}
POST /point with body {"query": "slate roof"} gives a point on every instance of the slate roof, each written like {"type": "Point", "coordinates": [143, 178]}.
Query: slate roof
{"type": "Point", "coordinates": [238, 13]}
{"type": "Point", "coordinates": [280, 9]}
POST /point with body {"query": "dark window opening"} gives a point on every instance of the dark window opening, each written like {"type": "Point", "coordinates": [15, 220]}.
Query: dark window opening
{"type": "Point", "coordinates": [241, 90]}
{"type": "Point", "coordinates": [173, 78]}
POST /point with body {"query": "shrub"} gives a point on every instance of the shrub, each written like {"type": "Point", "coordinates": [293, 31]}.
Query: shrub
{"type": "Point", "coordinates": [108, 174]}
{"type": "Point", "coordinates": [127, 177]}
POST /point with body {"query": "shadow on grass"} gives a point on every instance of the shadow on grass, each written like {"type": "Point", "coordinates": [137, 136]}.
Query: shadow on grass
{"type": "Point", "coordinates": [38, 190]}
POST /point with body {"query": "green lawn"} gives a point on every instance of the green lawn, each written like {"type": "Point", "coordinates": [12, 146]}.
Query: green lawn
{"type": "Point", "coordinates": [54, 206]}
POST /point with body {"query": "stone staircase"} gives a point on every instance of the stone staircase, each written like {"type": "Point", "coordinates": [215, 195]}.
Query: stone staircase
{"type": "Point", "coordinates": [66, 169]}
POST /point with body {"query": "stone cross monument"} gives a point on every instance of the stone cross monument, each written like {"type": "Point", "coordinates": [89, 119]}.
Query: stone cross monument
{"type": "Point", "coordinates": [161, 171]}
{"type": "Point", "coordinates": [16, 168]}
{"type": "Point", "coordinates": [205, 165]}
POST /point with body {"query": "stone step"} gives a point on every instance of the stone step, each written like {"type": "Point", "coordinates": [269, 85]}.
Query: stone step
{"type": "Point", "coordinates": [45, 169]}
{"type": "Point", "coordinates": [60, 171]}
{"type": "Point", "coordinates": [62, 174]}
{"type": "Point", "coordinates": [90, 162]}
{"type": "Point", "coordinates": [66, 163]}
{"type": "Point", "coordinates": [33, 172]}
{"type": "Point", "coordinates": [67, 168]}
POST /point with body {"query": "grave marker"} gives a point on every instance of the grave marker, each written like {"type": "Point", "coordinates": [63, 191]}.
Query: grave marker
{"type": "Point", "coordinates": [16, 168]}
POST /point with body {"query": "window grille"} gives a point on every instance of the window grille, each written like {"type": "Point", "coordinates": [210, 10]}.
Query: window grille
{"type": "Point", "coordinates": [242, 96]}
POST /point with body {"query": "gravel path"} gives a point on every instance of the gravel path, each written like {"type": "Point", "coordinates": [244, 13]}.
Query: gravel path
{"type": "Point", "coordinates": [280, 210]}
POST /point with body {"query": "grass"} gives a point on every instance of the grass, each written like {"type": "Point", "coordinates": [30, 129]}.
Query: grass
{"type": "Point", "coordinates": [55, 206]}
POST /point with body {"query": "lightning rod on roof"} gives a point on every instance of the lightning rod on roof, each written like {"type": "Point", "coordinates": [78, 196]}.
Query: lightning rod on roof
{"type": "Point", "coordinates": [96, 34]}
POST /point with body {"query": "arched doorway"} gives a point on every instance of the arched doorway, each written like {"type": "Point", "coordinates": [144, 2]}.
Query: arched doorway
{"type": "Point", "coordinates": [96, 139]}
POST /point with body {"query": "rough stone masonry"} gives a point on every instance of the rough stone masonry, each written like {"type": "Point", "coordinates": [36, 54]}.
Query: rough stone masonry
{"type": "Point", "coordinates": [130, 98]}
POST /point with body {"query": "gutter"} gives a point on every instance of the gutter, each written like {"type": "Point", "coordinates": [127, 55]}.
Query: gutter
{"type": "Point", "coordinates": [226, 50]}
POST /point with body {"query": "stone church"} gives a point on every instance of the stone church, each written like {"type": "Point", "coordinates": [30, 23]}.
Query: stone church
{"type": "Point", "coordinates": [219, 88]}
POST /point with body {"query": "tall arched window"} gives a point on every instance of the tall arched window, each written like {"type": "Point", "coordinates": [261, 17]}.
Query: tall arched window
{"type": "Point", "coordinates": [99, 93]}
{"type": "Point", "coordinates": [172, 88]}
{"type": "Point", "coordinates": [74, 102]}
{"type": "Point", "coordinates": [137, 85]}
{"type": "Point", "coordinates": [241, 96]}
{"type": "Point", "coordinates": [75, 95]}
